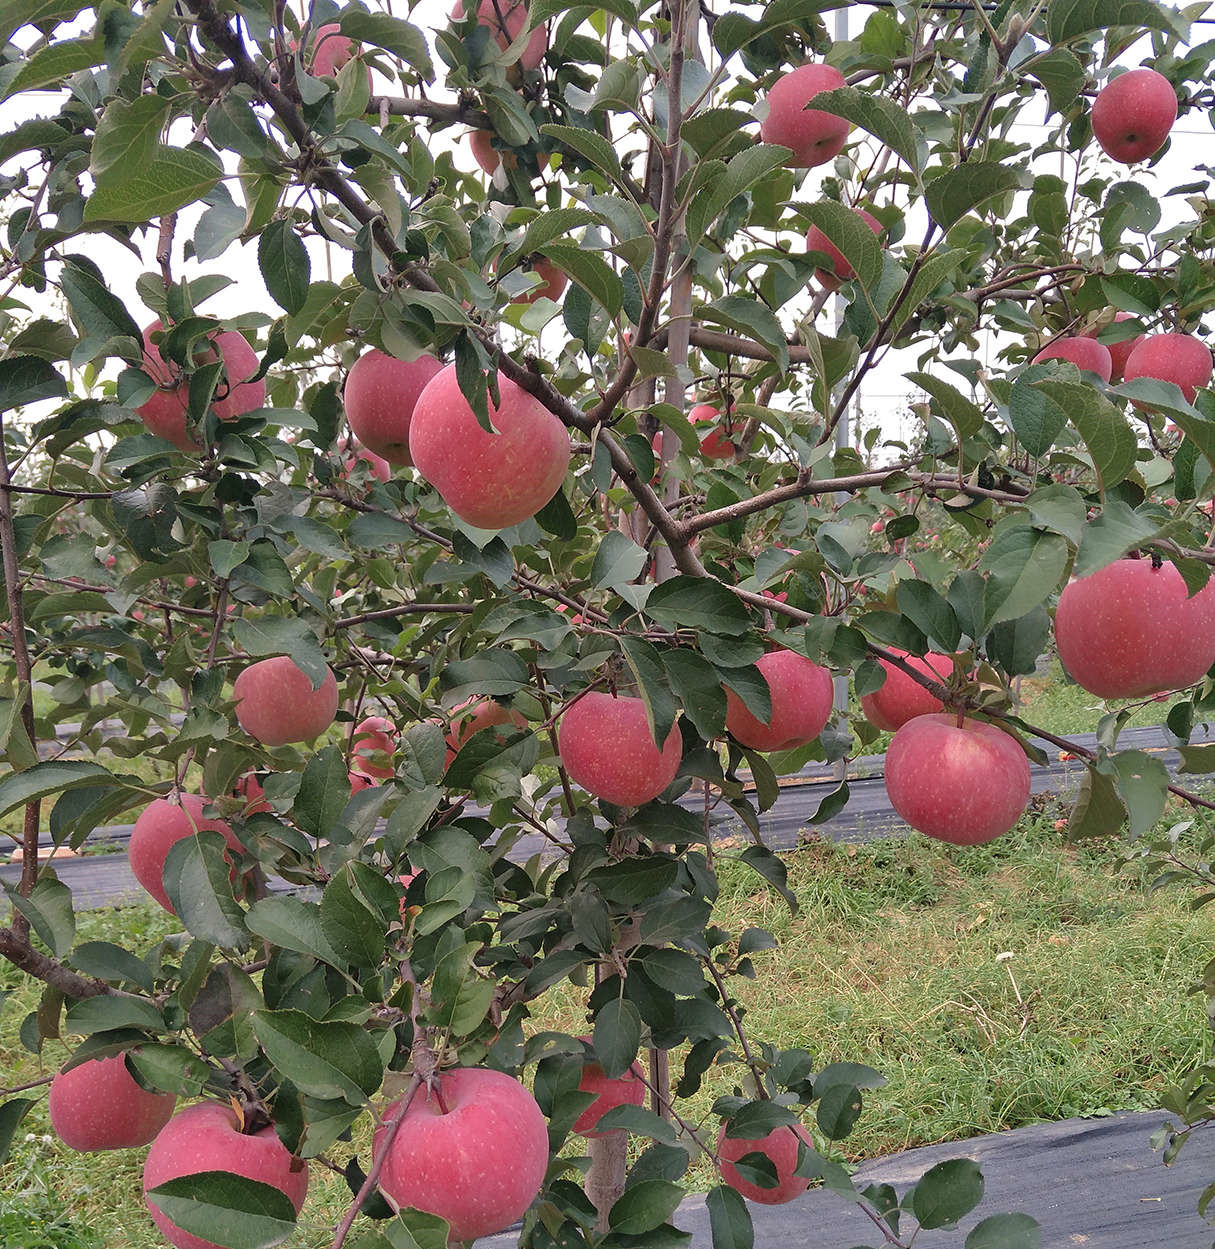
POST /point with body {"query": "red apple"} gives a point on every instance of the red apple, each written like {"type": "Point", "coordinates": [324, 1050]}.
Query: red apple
{"type": "Point", "coordinates": [1087, 354]}
{"type": "Point", "coordinates": [801, 703]}
{"type": "Point", "coordinates": [1133, 114]}
{"type": "Point", "coordinates": [714, 445]}
{"type": "Point", "coordinates": [901, 699]}
{"type": "Point", "coordinates": [473, 716]}
{"type": "Point", "coordinates": [375, 741]}
{"type": "Point", "coordinates": [626, 1090]}
{"type": "Point", "coordinates": [99, 1105]}
{"type": "Point", "coordinates": [331, 50]}
{"type": "Point", "coordinates": [480, 143]}
{"type": "Point", "coordinates": [276, 704]}
{"type": "Point", "coordinates": [553, 283]}
{"type": "Point", "coordinates": [474, 1151]}
{"type": "Point", "coordinates": [379, 467]}
{"type": "Point", "coordinates": [250, 789]}
{"type": "Point", "coordinates": [1120, 351]}
{"type": "Point", "coordinates": [159, 827]}
{"type": "Point", "coordinates": [359, 781]}
{"type": "Point", "coordinates": [506, 20]}
{"type": "Point", "coordinates": [780, 1147]}
{"type": "Point", "coordinates": [605, 746]}
{"type": "Point", "coordinates": [165, 413]}
{"type": "Point", "coordinates": [1129, 630]}
{"type": "Point", "coordinates": [207, 1137]}
{"type": "Point", "coordinates": [965, 784]}
{"type": "Point", "coordinates": [493, 480]}
{"type": "Point", "coordinates": [817, 241]}
{"type": "Point", "coordinates": [380, 396]}
{"type": "Point", "coordinates": [815, 137]}
{"type": "Point", "coordinates": [1179, 358]}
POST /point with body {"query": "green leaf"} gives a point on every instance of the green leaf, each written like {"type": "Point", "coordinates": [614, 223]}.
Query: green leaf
{"type": "Point", "coordinates": [545, 228]}
{"type": "Point", "coordinates": [1110, 440]}
{"type": "Point", "coordinates": [171, 179]}
{"type": "Point", "coordinates": [838, 1110]}
{"type": "Point", "coordinates": [286, 269]}
{"type": "Point", "coordinates": [328, 1060]}
{"type": "Point", "coordinates": [1143, 785]}
{"type": "Point", "coordinates": [283, 635]}
{"type": "Point", "coordinates": [645, 662]}
{"type": "Point", "coordinates": [734, 30]}
{"type": "Point", "coordinates": [111, 962]}
{"type": "Point", "coordinates": [928, 610]}
{"type": "Point", "coordinates": [950, 196]}
{"type": "Point", "coordinates": [49, 911]}
{"type": "Point", "coordinates": [51, 64]}
{"type": "Point", "coordinates": [1061, 73]}
{"type": "Point", "coordinates": [772, 868]}
{"type": "Point", "coordinates": [588, 143]}
{"type": "Point", "coordinates": [617, 1036]}
{"type": "Point", "coordinates": [1109, 536]}
{"type": "Point", "coordinates": [947, 1192]}
{"type": "Point", "coordinates": [1059, 508]}
{"type": "Point", "coordinates": [127, 135]}
{"type": "Point", "coordinates": [591, 272]}
{"type": "Point", "coordinates": [855, 240]}
{"type": "Point", "coordinates": [352, 924]}
{"type": "Point", "coordinates": [1025, 566]}
{"type": "Point", "coordinates": [293, 923]}
{"type": "Point", "coordinates": [697, 603]}
{"type": "Point", "coordinates": [226, 1209]}
{"type": "Point", "coordinates": [645, 1206]}
{"type": "Point", "coordinates": [750, 317]}
{"type": "Point", "coordinates": [876, 115]}
{"type": "Point", "coordinates": [737, 177]}
{"type": "Point", "coordinates": [1036, 419]}
{"type": "Point", "coordinates": [698, 687]}
{"type": "Point", "coordinates": [17, 13]}
{"type": "Point", "coordinates": [962, 413]}
{"type": "Point", "coordinates": [1005, 1231]}
{"type": "Point", "coordinates": [11, 1114]}
{"type": "Point", "coordinates": [1098, 811]}
{"type": "Point", "coordinates": [401, 38]}
{"type": "Point", "coordinates": [618, 560]}
{"type": "Point", "coordinates": [935, 270]}
{"type": "Point", "coordinates": [323, 793]}
{"type": "Point", "coordinates": [52, 777]}
{"type": "Point", "coordinates": [198, 882]}
{"type": "Point", "coordinates": [1069, 19]}
{"type": "Point", "coordinates": [729, 1219]}
{"type": "Point", "coordinates": [100, 314]}
{"type": "Point", "coordinates": [27, 379]}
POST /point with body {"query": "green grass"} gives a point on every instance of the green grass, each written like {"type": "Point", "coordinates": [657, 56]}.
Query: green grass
{"type": "Point", "coordinates": [995, 987]}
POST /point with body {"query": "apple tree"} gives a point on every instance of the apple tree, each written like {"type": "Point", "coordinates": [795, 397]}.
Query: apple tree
{"type": "Point", "coordinates": [460, 554]}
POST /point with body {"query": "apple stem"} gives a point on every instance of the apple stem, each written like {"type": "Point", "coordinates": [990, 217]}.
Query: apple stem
{"type": "Point", "coordinates": [961, 716]}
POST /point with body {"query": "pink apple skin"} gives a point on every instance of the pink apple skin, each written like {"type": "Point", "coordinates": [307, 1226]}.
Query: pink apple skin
{"type": "Point", "coordinates": [379, 467]}
{"type": "Point", "coordinates": [780, 1147]}
{"type": "Point", "coordinates": [815, 137]}
{"type": "Point", "coordinates": [165, 413]}
{"type": "Point", "coordinates": [160, 826]}
{"type": "Point", "coordinates": [1179, 358]}
{"type": "Point", "coordinates": [506, 20]}
{"type": "Point", "coordinates": [553, 283]}
{"type": "Point", "coordinates": [1128, 630]}
{"type": "Point", "coordinates": [250, 789]}
{"type": "Point", "coordinates": [606, 747]}
{"type": "Point", "coordinates": [626, 1090]}
{"type": "Point", "coordinates": [373, 738]}
{"type": "Point", "coordinates": [276, 704]}
{"type": "Point", "coordinates": [902, 699]}
{"type": "Point", "coordinates": [817, 241]}
{"type": "Point", "coordinates": [1120, 352]}
{"type": "Point", "coordinates": [486, 155]}
{"type": "Point", "coordinates": [801, 704]}
{"type": "Point", "coordinates": [473, 716]}
{"type": "Point", "coordinates": [964, 785]}
{"type": "Point", "coordinates": [1087, 354]}
{"type": "Point", "coordinates": [477, 1159]}
{"type": "Point", "coordinates": [359, 781]}
{"type": "Point", "coordinates": [1133, 114]}
{"type": "Point", "coordinates": [99, 1105]}
{"type": "Point", "coordinates": [491, 481]}
{"type": "Point", "coordinates": [380, 396]}
{"type": "Point", "coordinates": [205, 1137]}
{"type": "Point", "coordinates": [714, 445]}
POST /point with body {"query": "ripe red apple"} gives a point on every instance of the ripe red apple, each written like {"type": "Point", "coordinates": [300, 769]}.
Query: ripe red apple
{"type": "Point", "coordinates": [714, 445]}
{"type": "Point", "coordinates": [165, 412]}
{"type": "Point", "coordinates": [901, 699]}
{"type": "Point", "coordinates": [250, 789]}
{"type": "Point", "coordinates": [964, 784]}
{"type": "Point", "coordinates": [375, 740]}
{"type": "Point", "coordinates": [1120, 351]}
{"type": "Point", "coordinates": [495, 480]}
{"type": "Point", "coordinates": [276, 704]}
{"type": "Point", "coordinates": [380, 396]}
{"type": "Point", "coordinates": [817, 241]}
{"type": "Point", "coordinates": [473, 1151]}
{"type": "Point", "coordinates": [801, 703]}
{"type": "Point", "coordinates": [780, 1148]}
{"type": "Point", "coordinates": [331, 50]}
{"type": "Point", "coordinates": [379, 467]}
{"type": "Point", "coordinates": [1133, 114]}
{"type": "Point", "coordinates": [360, 781]}
{"type": "Point", "coordinates": [480, 143]}
{"type": "Point", "coordinates": [159, 827]}
{"type": "Point", "coordinates": [506, 20]}
{"type": "Point", "coordinates": [553, 283]}
{"type": "Point", "coordinates": [473, 716]}
{"type": "Point", "coordinates": [99, 1105]}
{"type": "Point", "coordinates": [1179, 358]}
{"type": "Point", "coordinates": [1087, 354]}
{"type": "Point", "coordinates": [605, 746]}
{"type": "Point", "coordinates": [1129, 630]}
{"type": "Point", "coordinates": [207, 1137]}
{"type": "Point", "coordinates": [626, 1090]}
{"type": "Point", "coordinates": [815, 137]}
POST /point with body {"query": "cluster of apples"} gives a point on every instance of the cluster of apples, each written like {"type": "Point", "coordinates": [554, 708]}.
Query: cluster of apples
{"type": "Point", "coordinates": [1181, 359]}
